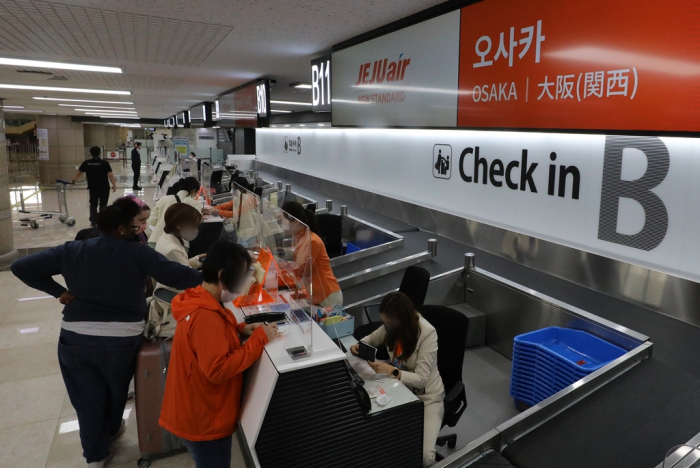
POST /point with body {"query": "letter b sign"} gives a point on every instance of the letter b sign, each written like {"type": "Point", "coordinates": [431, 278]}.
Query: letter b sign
{"type": "Point", "coordinates": [614, 188]}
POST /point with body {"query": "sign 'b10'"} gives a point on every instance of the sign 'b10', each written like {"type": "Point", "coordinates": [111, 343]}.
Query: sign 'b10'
{"type": "Point", "coordinates": [321, 84]}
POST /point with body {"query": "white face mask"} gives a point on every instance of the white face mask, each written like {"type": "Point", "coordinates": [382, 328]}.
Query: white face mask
{"type": "Point", "coordinates": [228, 296]}
{"type": "Point", "coordinates": [189, 234]}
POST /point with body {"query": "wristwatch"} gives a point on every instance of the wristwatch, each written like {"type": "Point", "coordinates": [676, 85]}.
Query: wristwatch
{"type": "Point", "coordinates": [395, 373]}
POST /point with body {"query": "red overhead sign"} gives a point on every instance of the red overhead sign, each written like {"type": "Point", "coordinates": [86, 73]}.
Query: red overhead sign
{"type": "Point", "coordinates": [600, 64]}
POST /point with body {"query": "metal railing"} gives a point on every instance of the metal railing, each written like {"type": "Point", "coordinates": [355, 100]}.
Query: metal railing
{"type": "Point", "coordinates": [23, 160]}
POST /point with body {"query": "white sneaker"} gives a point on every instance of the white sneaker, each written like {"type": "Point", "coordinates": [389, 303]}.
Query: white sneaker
{"type": "Point", "coordinates": [102, 463]}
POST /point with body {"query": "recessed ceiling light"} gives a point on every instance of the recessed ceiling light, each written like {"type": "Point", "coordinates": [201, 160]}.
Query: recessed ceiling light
{"type": "Point", "coordinates": [28, 111]}
{"type": "Point", "coordinates": [301, 86]}
{"type": "Point", "coordinates": [302, 125]}
{"type": "Point", "coordinates": [67, 90]}
{"type": "Point", "coordinates": [12, 107]}
{"type": "Point", "coordinates": [80, 100]}
{"type": "Point", "coordinates": [321, 125]}
{"type": "Point", "coordinates": [60, 65]}
{"type": "Point", "coordinates": [286, 125]}
{"type": "Point", "coordinates": [119, 117]}
{"type": "Point", "coordinates": [105, 111]}
{"type": "Point", "coordinates": [291, 103]}
{"type": "Point", "coordinates": [281, 111]}
{"type": "Point", "coordinates": [97, 107]}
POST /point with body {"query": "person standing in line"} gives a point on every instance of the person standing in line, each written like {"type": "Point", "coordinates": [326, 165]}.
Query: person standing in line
{"type": "Point", "coordinates": [99, 174]}
{"type": "Point", "coordinates": [103, 317]}
{"type": "Point", "coordinates": [136, 164]}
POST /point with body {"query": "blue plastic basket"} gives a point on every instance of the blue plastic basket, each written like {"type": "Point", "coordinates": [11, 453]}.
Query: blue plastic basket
{"type": "Point", "coordinates": [548, 360]}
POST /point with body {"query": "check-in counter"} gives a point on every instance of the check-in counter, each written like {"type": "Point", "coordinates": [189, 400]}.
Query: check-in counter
{"type": "Point", "coordinates": [304, 413]}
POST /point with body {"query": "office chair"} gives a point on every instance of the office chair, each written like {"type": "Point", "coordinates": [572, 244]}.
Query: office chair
{"type": "Point", "coordinates": [451, 327]}
{"type": "Point", "coordinates": [209, 233]}
{"type": "Point", "coordinates": [414, 284]}
{"type": "Point", "coordinates": [331, 228]}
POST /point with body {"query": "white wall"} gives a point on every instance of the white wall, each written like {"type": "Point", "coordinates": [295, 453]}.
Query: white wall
{"type": "Point", "coordinates": [400, 164]}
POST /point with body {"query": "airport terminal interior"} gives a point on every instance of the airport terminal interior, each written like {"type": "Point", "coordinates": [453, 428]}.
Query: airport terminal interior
{"type": "Point", "coordinates": [346, 234]}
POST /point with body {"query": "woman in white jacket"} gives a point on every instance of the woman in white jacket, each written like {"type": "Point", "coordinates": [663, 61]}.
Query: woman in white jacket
{"type": "Point", "coordinates": [413, 345]}
{"type": "Point", "coordinates": [181, 223]}
{"type": "Point", "coordinates": [185, 192]}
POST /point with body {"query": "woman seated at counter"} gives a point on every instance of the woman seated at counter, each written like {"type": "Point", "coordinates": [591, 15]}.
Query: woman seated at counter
{"type": "Point", "coordinates": [230, 209]}
{"type": "Point", "coordinates": [181, 224]}
{"type": "Point", "coordinates": [202, 395]}
{"type": "Point", "coordinates": [326, 290]}
{"type": "Point", "coordinates": [412, 344]}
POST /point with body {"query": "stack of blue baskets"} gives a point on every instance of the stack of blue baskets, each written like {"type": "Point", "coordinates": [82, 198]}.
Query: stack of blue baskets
{"type": "Point", "coordinates": [548, 360]}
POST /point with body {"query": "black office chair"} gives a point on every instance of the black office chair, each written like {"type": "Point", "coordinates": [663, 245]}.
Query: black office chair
{"type": "Point", "coordinates": [414, 284]}
{"type": "Point", "coordinates": [451, 327]}
{"type": "Point", "coordinates": [331, 228]}
{"type": "Point", "coordinates": [209, 233]}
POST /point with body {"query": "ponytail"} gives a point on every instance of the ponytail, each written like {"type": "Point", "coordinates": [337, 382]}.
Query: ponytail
{"type": "Point", "coordinates": [306, 216]}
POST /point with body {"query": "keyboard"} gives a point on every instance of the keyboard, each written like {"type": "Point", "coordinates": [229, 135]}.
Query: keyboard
{"type": "Point", "coordinates": [269, 317]}
{"type": "Point", "coordinates": [354, 376]}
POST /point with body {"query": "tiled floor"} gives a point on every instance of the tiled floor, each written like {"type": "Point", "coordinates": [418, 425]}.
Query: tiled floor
{"type": "Point", "coordinates": [38, 427]}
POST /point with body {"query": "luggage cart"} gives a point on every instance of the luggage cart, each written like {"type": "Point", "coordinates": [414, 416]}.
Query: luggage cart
{"type": "Point", "coordinates": [63, 215]}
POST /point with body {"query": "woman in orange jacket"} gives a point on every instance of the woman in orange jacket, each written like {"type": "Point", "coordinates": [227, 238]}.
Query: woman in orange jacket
{"type": "Point", "coordinates": [203, 391]}
{"type": "Point", "coordinates": [326, 290]}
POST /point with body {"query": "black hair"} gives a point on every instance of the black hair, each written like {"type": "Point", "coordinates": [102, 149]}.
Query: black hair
{"type": "Point", "coordinates": [243, 182]}
{"type": "Point", "coordinates": [188, 184]}
{"type": "Point", "coordinates": [258, 191]}
{"type": "Point", "coordinates": [228, 258]}
{"type": "Point", "coordinates": [304, 215]}
{"type": "Point", "coordinates": [95, 151]}
{"type": "Point", "coordinates": [192, 153]}
{"type": "Point", "coordinates": [119, 213]}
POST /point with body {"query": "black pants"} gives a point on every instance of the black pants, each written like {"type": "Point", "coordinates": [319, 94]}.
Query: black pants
{"type": "Point", "coordinates": [98, 196]}
{"type": "Point", "coordinates": [97, 371]}
{"type": "Point", "coordinates": [137, 174]}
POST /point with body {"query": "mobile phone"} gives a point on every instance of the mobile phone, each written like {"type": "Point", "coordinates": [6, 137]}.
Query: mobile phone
{"type": "Point", "coordinates": [367, 352]}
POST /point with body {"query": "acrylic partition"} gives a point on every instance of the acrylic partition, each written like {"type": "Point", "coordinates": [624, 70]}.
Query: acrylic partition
{"type": "Point", "coordinates": [280, 245]}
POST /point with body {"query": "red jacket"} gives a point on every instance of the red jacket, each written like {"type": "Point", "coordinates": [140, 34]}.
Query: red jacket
{"type": "Point", "coordinates": [203, 390]}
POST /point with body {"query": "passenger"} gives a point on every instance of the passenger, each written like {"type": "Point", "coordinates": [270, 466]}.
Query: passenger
{"type": "Point", "coordinates": [181, 224]}
{"type": "Point", "coordinates": [326, 290]}
{"type": "Point", "coordinates": [412, 344]}
{"type": "Point", "coordinates": [103, 318]}
{"type": "Point", "coordinates": [142, 219]}
{"type": "Point", "coordinates": [202, 396]}
{"type": "Point", "coordinates": [187, 190]}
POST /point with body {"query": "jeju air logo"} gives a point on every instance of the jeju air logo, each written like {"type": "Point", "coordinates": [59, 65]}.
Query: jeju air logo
{"type": "Point", "coordinates": [380, 71]}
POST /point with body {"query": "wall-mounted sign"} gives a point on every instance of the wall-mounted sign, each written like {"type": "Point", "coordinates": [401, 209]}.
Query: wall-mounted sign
{"type": "Point", "coordinates": [632, 198]}
{"type": "Point", "coordinates": [406, 78]}
{"type": "Point", "coordinates": [42, 134]}
{"type": "Point", "coordinates": [263, 99]}
{"type": "Point", "coordinates": [201, 115]}
{"type": "Point", "coordinates": [321, 84]}
{"type": "Point", "coordinates": [547, 64]}
{"type": "Point", "coordinates": [182, 145]}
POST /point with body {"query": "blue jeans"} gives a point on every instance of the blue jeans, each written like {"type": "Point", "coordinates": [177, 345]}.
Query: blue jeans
{"type": "Point", "coordinates": [210, 453]}
{"type": "Point", "coordinates": [97, 371]}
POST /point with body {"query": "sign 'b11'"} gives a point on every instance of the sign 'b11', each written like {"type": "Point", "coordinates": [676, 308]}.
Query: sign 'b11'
{"type": "Point", "coordinates": [321, 84]}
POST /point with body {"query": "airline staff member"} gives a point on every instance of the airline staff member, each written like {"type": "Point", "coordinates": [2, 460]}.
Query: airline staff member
{"type": "Point", "coordinates": [202, 396]}
{"type": "Point", "coordinates": [326, 290]}
{"type": "Point", "coordinates": [136, 164]}
{"type": "Point", "coordinates": [98, 173]}
{"type": "Point", "coordinates": [412, 344]}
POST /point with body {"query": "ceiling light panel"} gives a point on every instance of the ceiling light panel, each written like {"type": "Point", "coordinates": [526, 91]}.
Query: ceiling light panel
{"type": "Point", "coordinates": [291, 103]}
{"type": "Point", "coordinates": [58, 65]}
{"type": "Point", "coordinates": [67, 90]}
{"type": "Point", "coordinates": [98, 107]}
{"type": "Point", "coordinates": [79, 100]}
{"type": "Point", "coordinates": [107, 111]}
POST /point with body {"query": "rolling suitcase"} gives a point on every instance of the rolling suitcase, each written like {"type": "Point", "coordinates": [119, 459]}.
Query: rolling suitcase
{"type": "Point", "coordinates": [151, 371]}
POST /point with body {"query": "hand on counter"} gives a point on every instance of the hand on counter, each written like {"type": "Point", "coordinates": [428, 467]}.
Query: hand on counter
{"type": "Point", "coordinates": [249, 329]}
{"type": "Point", "coordinates": [271, 331]}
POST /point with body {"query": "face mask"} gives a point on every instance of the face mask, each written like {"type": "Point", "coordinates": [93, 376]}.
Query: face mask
{"type": "Point", "coordinates": [392, 332]}
{"type": "Point", "coordinates": [228, 296]}
{"type": "Point", "coordinates": [189, 234]}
